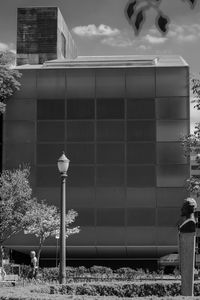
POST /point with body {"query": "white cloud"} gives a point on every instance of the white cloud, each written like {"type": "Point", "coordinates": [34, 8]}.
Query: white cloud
{"type": "Point", "coordinates": [155, 39]}
{"type": "Point", "coordinates": [184, 33]}
{"type": "Point", "coordinates": [10, 47]}
{"type": "Point", "coordinates": [95, 31]}
{"type": "Point", "coordinates": [121, 41]}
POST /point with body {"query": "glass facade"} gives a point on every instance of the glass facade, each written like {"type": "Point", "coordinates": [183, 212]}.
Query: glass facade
{"type": "Point", "coordinates": [121, 130]}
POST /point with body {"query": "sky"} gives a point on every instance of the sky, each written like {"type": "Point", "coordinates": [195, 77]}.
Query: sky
{"type": "Point", "coordinates": [99, 27]}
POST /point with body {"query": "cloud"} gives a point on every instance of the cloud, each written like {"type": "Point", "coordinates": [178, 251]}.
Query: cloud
{"type": "Point", "coordinates": [155, 39]}
{"type": "Point", "coordinates": [121, 40]}
{"type": "Point", "coordinates": [10, 47]}
{"type": "Point", "coordinates": [184, 33]}
{"type": "Point", "coordinates": [92, 30]}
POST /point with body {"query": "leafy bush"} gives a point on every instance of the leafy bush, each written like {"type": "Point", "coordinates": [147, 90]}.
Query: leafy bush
{"type": "Point", "coordinates": [121, 289]}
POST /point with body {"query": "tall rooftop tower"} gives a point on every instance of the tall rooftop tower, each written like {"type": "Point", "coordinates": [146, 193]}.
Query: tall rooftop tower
{"type": "Point", "coordinates": [42, 35]}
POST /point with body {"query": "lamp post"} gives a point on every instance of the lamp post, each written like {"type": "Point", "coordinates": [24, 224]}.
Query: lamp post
{"type": "Point", "coordinates": [63, 165]}
{"type": "Point", "coordinates": [57, 238]}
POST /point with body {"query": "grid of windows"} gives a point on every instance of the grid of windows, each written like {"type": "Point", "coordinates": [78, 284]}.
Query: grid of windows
{"type": "Point", "coordinates": [115, 140]}
{"type": "Point", "coordinates": [123, 141]}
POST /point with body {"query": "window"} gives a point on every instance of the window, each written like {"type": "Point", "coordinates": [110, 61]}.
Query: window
{"type": "Point", "coordinates": [141, 130]}
{"type": "Point", "coordinates": [171, 130]}
{"type": "Point", "coordinates": [110, 108]}
{"type": "Point", "coordinates": [140, 82]}
{"type": "Point", "coordinates": [170, 153]}
{"type": "Point", "coordinates": [141, 153]}
{"type": "Point", "coordinates": [50, 109]}
{"type": "Point", "coordinates": [168, 216]}
{"type": "Point", "coordinates": [110, 153]}
{"type": "Point", "coordinates": [80, 83]}
{"type": "Point", "coordinates": [141, 176]}
{"type": "Point", "coordinates": [80, 131]}
{"type": "Point", "coordinates": [110, 131]}
{"type": "Point", "coordinates": [141, 108]}
{"type": "Point", "coordinates": [49, 153]}
{"type": "Point", "coordinates": [80, 153]}
{"type": "Point", "coordinates": [50, 131]}
{"type": "Point", "coordinates": [110, 176]}
{"type": "Point", "coordinates": [172, 175]}
{"type": "Point", "coordinates": [172, 81]}
{"type": "Point", "coordinates": [172, 108]}
{"type": "Point", "coordinates": [80, 109]}
{"type": "Point", "coordinates": [110, 217]}
{"type": "Point", "coordinates": [19, 132]}
{"type": "Point", "coordinates": [140, 216]}
{"type": "Point", "coordinates": [63, 45]}
{"type": "Point", "coordinates": [81, 176]}
{"type": "Point", "coordinates": [110, 83]}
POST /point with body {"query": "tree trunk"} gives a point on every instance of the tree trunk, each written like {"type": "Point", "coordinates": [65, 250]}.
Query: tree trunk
{"type": "Point", "coordinates": [1, 255]}
{"type": "Point", "coordinates": [39, 252]}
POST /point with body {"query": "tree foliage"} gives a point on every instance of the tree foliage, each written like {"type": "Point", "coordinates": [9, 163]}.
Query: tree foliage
{"type": "Point", "coordinates": [43, 221]}
{"type": "Point", "coordinates": [9, 78]}
{"type": "Point", "coordinates": [135, 12]}
{"type": "Point", "coordinates": [15, 198]}
{"type": "Point", "coordinates": [191, 142]}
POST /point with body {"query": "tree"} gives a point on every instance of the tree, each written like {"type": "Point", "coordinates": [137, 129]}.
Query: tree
{"type": "Point", "coordinates": [43, 221]}
{"type": "Point", "coordinates": [9, 78]}
{"type": "Point", "coordinates": [15, 198]}
{"type": "Point", "coordinates": [135, 12]}
{"type": "Point", "coordinates": [191, 142]}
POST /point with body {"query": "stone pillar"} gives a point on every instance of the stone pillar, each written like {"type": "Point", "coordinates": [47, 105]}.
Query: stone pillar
{"type": "Point", "coordinates": [187, 261]}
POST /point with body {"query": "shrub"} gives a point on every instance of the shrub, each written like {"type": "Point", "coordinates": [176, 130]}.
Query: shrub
{"type": "Point", "coordinates": [121, 289]}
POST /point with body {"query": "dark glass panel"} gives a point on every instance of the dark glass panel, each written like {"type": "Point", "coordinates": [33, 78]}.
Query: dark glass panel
{"type": "Point", "coordinates": [110, 216]}
{"type": "Point", "coordinates": [170, 153]}
{"type": "Point", "coordinates": [110, 236]}
{"type": "Point", "coordinates": [110, 153]}
{"type": "Point", "coordinates": [86, 236]}
{"type": "Point", "coordinates": [50, 109]}
{"type": "Point", "coordinates": [110, 108]}
{"type": "Point", "coordinates": [21, 109]}
{"type": "Point", "coordinates": [49, 153]}
{"type": "Point", "coordinates": [18, 154]}
{"type": "Point", "coordinates": [110, 176]}
{"type": "Point", "coordinates": [168, 217]}
{"type": "Point", "coordinates": [50, 131]}
{"type": "Point", "coordinates": [19, 132]}
{"type": "Point", "coordinates": [172, 81]}
{"type": "Point", "coordinates": [172, 108]}
{"type": "Point", "coordinates": [141, 176]}
{"type": "Point", "coordinates": [170, 197]}
{"type": "Point", "coordinates": [80, 176]}
{"type": "Point", "coordinates": [28, 87]}
{"type": "Point", "coordinates": [86, 217]}
{"type": "Point", "coordinates": [81, 196]}
{"type": "Point", "coordinates": [171, 130]}
{"type": "Point", "coordinates": [80, 153]}
{"type": "Point", "coordinates": [80, 83]}
{"type": "Point", "coordinates": [141, 108]}
{"type": "Point", "coordinates": [141, 153]}
{"type": "Point", "coordinates": [48, 176]}
{"type": "Point", "coordinates": [141, 197]}
{"type": "Point", "coordinates": [141, 236]}
{"type": "Point", "coordinates": [80, 109]}
{"type": "Point", "coordinates": [141, 131]}
{"type": "Point", "coordinates": [110, 131]}
{"type": "Point", "coordinates": [110, 196]}
{"type": "Point", "coordinates": [80, 131]}
{"type": "Point", "coordinates": [51, 84]}
{"type": "Point", "coordinates": [110, 83]}
{"type": "Point", "coordinates": [172, 175]}
{"type": "Point", "coordinates": [141, 216]}
{"type": "Point", "coordinates": [140, 82]}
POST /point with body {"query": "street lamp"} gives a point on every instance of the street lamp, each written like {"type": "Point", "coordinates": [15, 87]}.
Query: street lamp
{"type": "Point", "coordinates": [57, 238]}
{"type": "Point", "coordinates": [63, 165]}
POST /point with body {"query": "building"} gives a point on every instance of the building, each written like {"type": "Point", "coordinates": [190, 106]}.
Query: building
{"type": "Point", "coordinates": [119, 120]}
{"type": "Point", "coordinates": [42, 34]}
